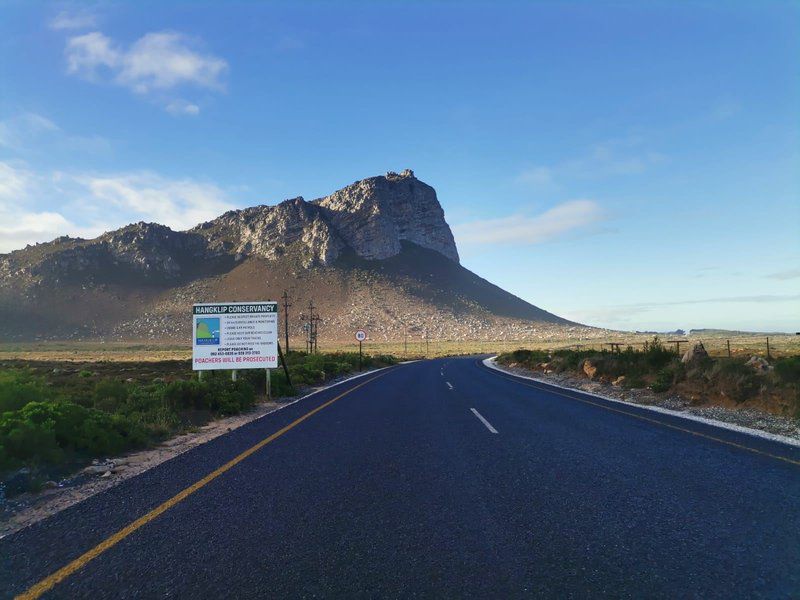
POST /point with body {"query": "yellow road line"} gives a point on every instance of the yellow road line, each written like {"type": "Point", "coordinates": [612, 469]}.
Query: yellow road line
{"type": "Point", "coordinates": [53, 579]}
{"type": "Point", "coordinates": [649, 420]}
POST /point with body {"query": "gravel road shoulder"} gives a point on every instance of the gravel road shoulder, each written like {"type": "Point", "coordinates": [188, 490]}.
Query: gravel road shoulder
{"type": "Point", "coordinates": [747, 420]}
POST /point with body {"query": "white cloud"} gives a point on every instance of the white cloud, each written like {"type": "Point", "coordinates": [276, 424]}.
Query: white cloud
{"type": "Point", "coordinates": [521, 229]}
{"type": "Point", "coordinates": [182, 107]}
{"type": "Point", "coordinates": [27, 131]}
{"type": "Point", "coordinates": [623, 156]}
{"type": "Point", "coordinates": [38, 207]}
{"type": "Point", "coordinates": [155, 64]}
{"type": "Point", "coordinates": [77, 20]}
{"type": "Point", "coordinates": [538, 176]}
{"type": "Point", "coordinates": [14, 183]}
{"type": "Point", "coordinates": [177, 203]}
{"type": "Point", "coordinates": [156, 61]}
{"type": "Point", "coordinates": [88, 52]}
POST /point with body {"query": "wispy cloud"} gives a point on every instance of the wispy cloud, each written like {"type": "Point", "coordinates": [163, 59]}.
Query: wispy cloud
{"type": "Point", "coordinates": [73, 20]}
{"type": "Point", "coordinates": [182, 107]}
{"type": "Point", "coordinates": [178, 203]}
{"type": "Point", "coordinates": [521, 229]}
{"type": "Point", "coordinates": [725, 109]}
{"type": "Point", "coordinates": [784, 275]}
{"type": "Point", "coordinates": [92, 203]}
{"type": "Point", "coordinates": [156, 65]}
{"type": "Point", "coordinates": [624, 313]}
{"type": "Point", "coordinates": [14, 183]}
{"type": "Point", "coordinates": [27, 130]}
{"type": "Point", "coordinates": [616, 157]}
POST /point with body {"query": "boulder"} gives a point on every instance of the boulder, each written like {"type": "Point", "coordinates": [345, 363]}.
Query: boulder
{"type": "Point", "coordinates": [694, 354]}
{"type": "Point", "coordinates": [759, 364]}
{"type": "Point", "coordinates": [589, 368]}
{"type": "Point", "coordinates": [619, 381]}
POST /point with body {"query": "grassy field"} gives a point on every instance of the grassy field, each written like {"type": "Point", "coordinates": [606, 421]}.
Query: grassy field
{"type": "Point", "coordinates": [715, 343]}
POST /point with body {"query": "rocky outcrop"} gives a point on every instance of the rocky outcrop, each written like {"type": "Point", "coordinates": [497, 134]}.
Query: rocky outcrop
{"type": "Point", "coordinates": [374, 215]}
{"type": "Point", "coordinates": [270, 231]}
{"type": "Point", "coordinates": [371, 217]}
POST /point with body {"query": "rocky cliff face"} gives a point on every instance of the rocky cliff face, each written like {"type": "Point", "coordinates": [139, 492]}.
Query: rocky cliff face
{"type": "Point", "coordinates": [371, 217]}
{"type": "Point", "coordinates": [374, 215]}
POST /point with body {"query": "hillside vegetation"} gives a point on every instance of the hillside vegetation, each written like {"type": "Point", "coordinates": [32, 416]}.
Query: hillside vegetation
{"type": "Point", "coordinates": [56, 417]}
{"type": "Point", "coordinates": [738, 381]}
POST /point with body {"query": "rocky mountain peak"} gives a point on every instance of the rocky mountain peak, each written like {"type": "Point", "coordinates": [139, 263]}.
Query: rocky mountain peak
{"type": "Point", "coordinates": [374, 215]}
{"type": "Point", "coordinates": [371, 217]}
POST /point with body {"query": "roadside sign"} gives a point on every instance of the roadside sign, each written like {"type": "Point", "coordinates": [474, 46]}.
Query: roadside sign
{"type": "Point", "coordinates": [361, 335]}
{"type": "Point", "coordinates": [235, 335]}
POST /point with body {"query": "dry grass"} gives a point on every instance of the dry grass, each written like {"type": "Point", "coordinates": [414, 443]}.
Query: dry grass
{"type": "Point", "coordinates": [416, 347]}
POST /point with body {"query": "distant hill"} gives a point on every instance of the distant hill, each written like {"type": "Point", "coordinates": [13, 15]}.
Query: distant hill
{"type": "Point", "coordinates": [376, 254]}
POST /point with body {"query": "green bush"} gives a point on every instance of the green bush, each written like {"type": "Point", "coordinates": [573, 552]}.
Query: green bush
{"type": "Point", "coordinates": [787, 370]}
{"type": "Point", "coordinates": [657, 355]}
{"type": "Point", "coordinates": [668, 377]}
{"type": "Point", "coordinates": [109, 395]}
{"type": "Point", "coordinates": [19, 387]}
{"type": "Point", "coordinates": [735, 379]}
{"type": "Point", "coordinates": [52, 432]}
{"type": "Point", "coordinates": [530, 358]}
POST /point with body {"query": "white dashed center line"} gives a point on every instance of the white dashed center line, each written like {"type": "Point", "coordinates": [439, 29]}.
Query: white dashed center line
{"type": "Point", "coordinates": [484, 421]}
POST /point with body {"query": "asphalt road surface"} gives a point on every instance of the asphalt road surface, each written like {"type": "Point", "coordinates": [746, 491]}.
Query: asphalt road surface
{"type": "Point", "coordinates": [436, 479]}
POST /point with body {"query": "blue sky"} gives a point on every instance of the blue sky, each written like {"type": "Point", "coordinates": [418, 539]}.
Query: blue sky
{"type": "Point", "coordinates": [627, 164]}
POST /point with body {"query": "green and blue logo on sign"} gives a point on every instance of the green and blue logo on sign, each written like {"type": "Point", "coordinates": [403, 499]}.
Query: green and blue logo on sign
{"type": "Point", "coordinates": [207, 332]}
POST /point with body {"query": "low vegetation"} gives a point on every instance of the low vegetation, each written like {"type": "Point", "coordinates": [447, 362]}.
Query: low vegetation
{"type": "Point", "coordinates": [55, 417]}
{"type": "Point", "coordinates": [740, 380]}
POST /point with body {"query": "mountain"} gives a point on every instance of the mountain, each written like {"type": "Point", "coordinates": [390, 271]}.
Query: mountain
{"type": "Point", "coordinates": [376, 254]}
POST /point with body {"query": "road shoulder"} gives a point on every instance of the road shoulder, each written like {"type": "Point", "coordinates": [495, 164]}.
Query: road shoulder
{"type": "Point", "coordinates": [29, 508]}
{"type": "Point", "coordinates": [752, 422]}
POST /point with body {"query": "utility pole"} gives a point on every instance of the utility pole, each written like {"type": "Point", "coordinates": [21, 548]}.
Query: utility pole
{"type": "Point", "coordinates": [286, 306]}
{"type": "Point", "coordinates": [315, 330]}
{"type": "Point", "coordinates": [310, 326]}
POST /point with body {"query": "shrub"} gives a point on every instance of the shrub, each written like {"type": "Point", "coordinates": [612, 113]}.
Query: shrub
{"type": "Point", "coordinates": [530, 358]}
{"type": "Point", "coordinates": [735, 379]}
{"type": "Point", "coordinates": [668, 376]}
{"type": "Point", "coordinates": [787, 370]}
{"type": "Point", "coordinates": [18, 388]}
{"type": "Point", "coordinates": [52, 432]}
{"type": "Point", "coordinates": [109, 395]}
{"type": "Point", "coordinates": [657, 355]}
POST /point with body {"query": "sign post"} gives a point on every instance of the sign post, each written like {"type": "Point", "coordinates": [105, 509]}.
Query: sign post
{"type": "Point", "coordinates": [361, 335]}
{"type": "Point", "coordinates": [235, 335]}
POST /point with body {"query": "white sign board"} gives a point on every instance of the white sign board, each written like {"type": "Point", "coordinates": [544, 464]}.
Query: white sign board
{"type": "Point", "coordinates": [235, 335]}
{"type": "Point", "coordinates": [361, 335]}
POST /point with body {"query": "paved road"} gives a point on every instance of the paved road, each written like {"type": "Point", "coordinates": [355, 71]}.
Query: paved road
{"type": "Point", "coordinates": [402, 488]}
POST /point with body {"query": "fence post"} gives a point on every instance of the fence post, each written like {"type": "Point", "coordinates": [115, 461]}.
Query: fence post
{"type": "Point", "coordinates": [768, 356]}
{"type": "Point", "coordinates": [729, 347]}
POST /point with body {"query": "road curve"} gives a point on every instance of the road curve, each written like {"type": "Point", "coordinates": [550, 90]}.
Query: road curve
{"type": "Point", "coordinates": [439, 478]}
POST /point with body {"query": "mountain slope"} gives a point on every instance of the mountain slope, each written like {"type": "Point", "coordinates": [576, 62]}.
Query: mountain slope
{"type": "Point", "coordinates": [376, 254]}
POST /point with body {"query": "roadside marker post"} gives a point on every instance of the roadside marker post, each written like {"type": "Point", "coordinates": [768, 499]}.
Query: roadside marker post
{"type": "Point", "coordinates": [361, 335]}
